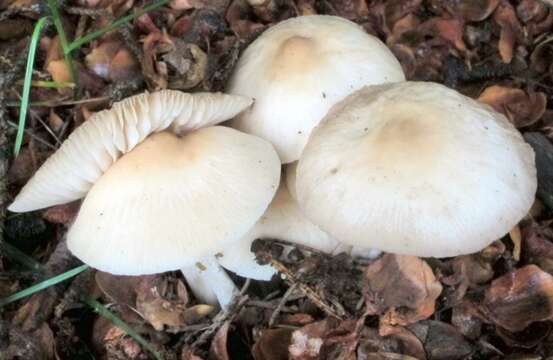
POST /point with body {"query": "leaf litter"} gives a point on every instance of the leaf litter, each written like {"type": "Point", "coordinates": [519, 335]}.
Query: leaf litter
{"type": "Point", "coordinates": [494, 304]}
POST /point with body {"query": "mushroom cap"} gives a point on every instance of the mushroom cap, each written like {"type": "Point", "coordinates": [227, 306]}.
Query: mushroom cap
{"type": "Point", "coordinates": [282, 220]}
{"type": "Point", "coordinates": [298, 69]}
{"type": "Point", "coordinates": [416, 168]}
{"type": "Point", "coordinates": [171, 201]}
{"type": "Point", "coordinates": [94, 146]}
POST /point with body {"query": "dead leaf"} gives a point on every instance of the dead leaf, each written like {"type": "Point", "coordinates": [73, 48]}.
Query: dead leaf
{"type": "Point", "coordinates": [521, 108]}
{"type": "Point", "coordinates": [528, 10]}
{"type": "Point", "coordinates": [112, 61]}
{"type": "Point", "coordinates": [218, 349]}
{"type": "Point", "coordinates": [516, 238]}
{"type": "Point", "coordinates": [519, 298]}
{"type": "Point", "coordinates": [511, 30]}
{"type": "Point", "coordinates": [467, 320]}
{"type": "Point", "coordinates": [306, 343]}
{"type": "Point", "coordinates": [188, 64]}
{"type": "Point", "coordinates": [441, 341]}
{"type": "Point", "coordinates": [62, 214]}
{"type": "Point", "coordinates": [475, 10]}
{"type": "Point", "coordinates": [537, 245]}
{"type": "Point", "coordinates": [155, 44]}
{"type": "Point", "coordinates": [400, 341]}
{"type": "Point", "coordinates": [402, 288]}
{"type": "Point", "coordinates": [450, 30]}
{"type": "Point", "coordinates": [272, 344]}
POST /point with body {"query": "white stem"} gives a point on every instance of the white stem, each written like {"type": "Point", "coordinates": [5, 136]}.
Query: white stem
{"type": "Point", "coordinates": [209, 282]}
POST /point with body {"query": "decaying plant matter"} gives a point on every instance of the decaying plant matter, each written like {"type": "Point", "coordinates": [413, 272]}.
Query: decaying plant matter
{"type": "Point", "coordinates": [325, 302]}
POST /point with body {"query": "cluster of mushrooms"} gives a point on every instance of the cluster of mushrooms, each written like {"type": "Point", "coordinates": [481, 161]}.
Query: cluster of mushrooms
{"type": "Point", "coordinates": [384, 165]}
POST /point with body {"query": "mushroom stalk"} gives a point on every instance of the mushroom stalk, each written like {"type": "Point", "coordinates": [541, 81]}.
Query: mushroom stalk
{"type": "Point", "coordinates": [209, 282]}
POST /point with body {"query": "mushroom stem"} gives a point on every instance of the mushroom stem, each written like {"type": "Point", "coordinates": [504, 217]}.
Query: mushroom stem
{"type": "Point", "coordinates": [209, 282]}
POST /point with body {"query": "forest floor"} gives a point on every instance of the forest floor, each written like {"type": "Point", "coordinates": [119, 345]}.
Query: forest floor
{"type": "Point", "coordinates": [495, 304]}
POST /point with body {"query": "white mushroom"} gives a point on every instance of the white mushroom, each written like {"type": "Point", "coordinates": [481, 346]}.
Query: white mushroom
{"type": "Point", "coordinates": [416, 168]}
{"type": "Point", "coordinates": [156, 201]}
{"type": "Point", "coordinates": [298, 69]}
{"type": "Point", "coordinates": [283, 220]}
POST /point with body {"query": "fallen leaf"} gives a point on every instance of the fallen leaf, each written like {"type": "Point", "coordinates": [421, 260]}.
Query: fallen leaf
{"type": "Point", "coordinates": [218, 349]}
{"type": "Point", "coordinates": [402, 288]}
{"type": "Point", "coordinates": [62, 214]}
{"type": "Point", "coordinates": [272, 344]}
{"type": "Point", "coordinates": [511, 29]}
{"type": "Point", "coordinates": [519, 298]}
{"type": "Point", "coordinates": [112, 61]}
{"type": "Point", "coordinates": [306, 343]}
{"type": "Point", "coordinates": [520, 107]}
{"type": "Point", "coordinates": [474, 10]}
{"type": "Point", "coordinates": [400, 341]}
{"type": "Point", "coordinates": [441, 341]}
{"type": "Point", "coordinates": [537, 245]}
{"type": "Point", "coordinates": [467, 320]}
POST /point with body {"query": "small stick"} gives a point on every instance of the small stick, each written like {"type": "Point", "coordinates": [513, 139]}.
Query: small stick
{"type": "Point", "coordinates": [281, 304]}
{"type": "Point", "coordinates": [224, 315]}
{"type": "Point", "coordinates": [305, 289]}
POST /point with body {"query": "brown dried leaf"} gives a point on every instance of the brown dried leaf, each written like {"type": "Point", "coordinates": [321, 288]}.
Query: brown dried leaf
{"type": "Point", "coordinates": [528, 10]}
{"type": "Point", "coordinates": [466, 318]}
{"type": "Point", "coordinates": [306, 343]}
{"type": "Point", "coordinates": [397, 9]}
{"type": "Point", "coordinates": [519, 298]}
{"type": "Point", "coordinates": [404, 288]}
{"type": "Point", "coordinates": [272, 344]}
{"type": "Point", "coordinates": [521, 108]}
{"type": "Point", "coordinates": [112, 61]}
{"type": "Point", "coordinates": [511, 29]}
{"type": "Point", "coordinates": [188, 354]}
{"type": "Point", "coordinates": [450, 30]}
{"type": "Point", "coordinates": [474, 10]}
{"type": "Point", "coordinates": [400, 341]}
{"type": "Point", "coordinates": [155, 44]}
{"type": "Point", "coordinates": [441, 341]}
{"type": "Point", "coordinates": [537, 245]}
{"type": "Point", "coordinates": [218, 349]}
{"type": "Point", "coordinates": [188, 64]}
{"type": "Point", "coordinates": [62, 214]}
{"type": "Point", "coordinates": [218, 5]}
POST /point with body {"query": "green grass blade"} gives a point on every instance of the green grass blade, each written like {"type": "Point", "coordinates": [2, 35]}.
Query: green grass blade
{"type": "Point", "coordinates": [58, 23]}
{"type": "Point", "coordinates": [19, 256]}
{"type": "Point", "coordinates": [53, 84]}
{"type": "Point", "coordinates": [27, 84]}
{"type": "Point", "coordinates": [114, 25]}
{"type": "Point", "coordinates": [42, 285]}
{"type": "Point", "coordinates": [103, 311]}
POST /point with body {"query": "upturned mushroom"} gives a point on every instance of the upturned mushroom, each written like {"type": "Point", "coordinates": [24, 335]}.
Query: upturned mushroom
{"type": "Point", "coordinates": [298, 69]}
{"type": "Point", "coordinates": [416, 168]}
{"type": "Point", "coordinates": [163, 189]}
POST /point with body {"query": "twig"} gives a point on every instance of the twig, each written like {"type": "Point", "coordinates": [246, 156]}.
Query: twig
{"type": "Point", "coordinates": [35, 8]}
{"type": "Point", "coordinates": [281, 304]}
{"type": "Point", "coordinates": [223, 316]}
{"type": "Point", "coordinates": [290, 278]}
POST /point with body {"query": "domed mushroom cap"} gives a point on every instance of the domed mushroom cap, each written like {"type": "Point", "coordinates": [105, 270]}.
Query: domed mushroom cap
{"type": "Point", "coordinates": [283, 220]}
{"type": "Point", "coordinates": [171, 201]}
{"type": "Point", "coordinates": [94, 146]}
{"type": "Point", "coordinates": [416, 168]}
{"type": "Point", "coordinates": [298, 69]}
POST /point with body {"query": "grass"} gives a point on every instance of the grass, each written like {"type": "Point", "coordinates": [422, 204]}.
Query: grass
{"type": "Point", "coordinates": [67, 49]}
{"type": "Point", "coordinates": [42, 285]}
{"type": "Point", "coordinates": [103, 311]}
{"type": "Point", "coordinates": [17, 255]}
{"type": "Point", "coordinates": [27, 84]}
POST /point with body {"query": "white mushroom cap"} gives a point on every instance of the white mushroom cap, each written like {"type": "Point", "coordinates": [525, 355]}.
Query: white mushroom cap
{"type": "Point", "coordinates": [298, 69]}
{"type": "Point", "coordinates": [172, 201]}
{"type": "Point", "coordinates": [93, 147]}
{"type": "Point", "coordinates": [283, 220]}
{"type": "Point", "coordinates": [416, 168]}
